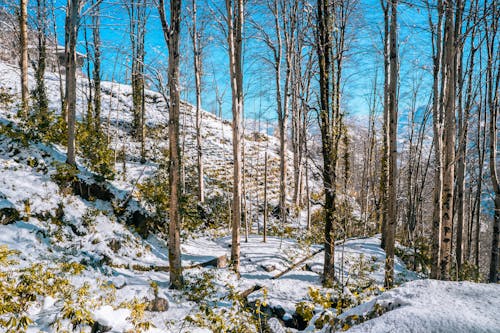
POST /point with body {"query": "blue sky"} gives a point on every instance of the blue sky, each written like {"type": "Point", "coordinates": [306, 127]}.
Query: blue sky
{"type": "Point", "coordinates": [364, 58]}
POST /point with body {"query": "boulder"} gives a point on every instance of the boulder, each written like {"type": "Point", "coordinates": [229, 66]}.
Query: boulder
{"type": "Point", "coordinates": [158, 304]}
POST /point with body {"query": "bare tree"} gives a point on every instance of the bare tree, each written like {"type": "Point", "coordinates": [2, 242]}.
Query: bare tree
{"type": "Point", "coordinates": [23, 24]}
{"type": "Point", "coordinates": [437, 121]}
{"type": "Point", "coordinates": [234, 21]}
{"type": "Point", "coordinates": [138, 12]}
{"type": "Point", "coordinates": [452, 16]}
{"type": "Point", "coordinates": [171, 34]}
{"type": "Point", "coordinates": [392, 87]}
{"type": "Point", "coordinates": [72, 24]}
{"type": "Point", "coordinates": [196, 39]}
{"type": "Point", "coordinates": [493, 104]}
{"type": "Point", "coordinates": [96, 72]}
{"type": "Point", "coordinates": [40, 93]}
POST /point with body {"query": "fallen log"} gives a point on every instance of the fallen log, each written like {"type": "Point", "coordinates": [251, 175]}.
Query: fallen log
{"type": "Point", "coordinates": [295, 265]}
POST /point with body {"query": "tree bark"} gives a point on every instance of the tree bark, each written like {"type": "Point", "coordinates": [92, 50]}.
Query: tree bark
{"type": "Point", "coordinates": [172, 36]}
{"type": "Point", "coordinates": [96, 72]}
{"type": "Point", "coordinates": [234, 38]}
{"type": "Point", "coordinates": [437, 140]}
{"type": "Point", "coordinates": [492, 95]}
{"type": "Point", "coordinates": [449, 87]}
{"type": "Point", "coordinates": [323, 45]}
{"type": "Point", "coordinates": [23, 25]}
{"type": "Point", "coordinates": [393, 153]}
{"type": "Point", "coordinates": [71, 33]}
{"type": "Point", "coordinates": [197, 58]}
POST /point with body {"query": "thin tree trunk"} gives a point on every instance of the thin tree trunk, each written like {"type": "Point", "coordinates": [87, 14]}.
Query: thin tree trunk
{"type": "Point", "coordinates": [197, 56]}
{"type": "Point", "coordinates": [393, 118]}
{"type": "Point", "coordinates": [96, 73]}
{"type": "Point", "coordinates": [23, 24]}
{"type": "Point", "coordinates": [234, 37]}
{"type": "Point", "coordinates": [172, 36]}
{"type": "Point", "coordinates": [265, 198]}
{"type": "Point", "coordinates": [437, 142]}
{"type": "Point", "coordinates": [449, 87]}
{"type": "Point", "coordinates": [492, 96]}
{"type": "Point", "coordinates": [324, 51]}
{"type": "Point", "coordinates": [71, 32]}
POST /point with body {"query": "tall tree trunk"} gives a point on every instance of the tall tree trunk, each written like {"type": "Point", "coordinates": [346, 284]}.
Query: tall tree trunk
{"type": "Point", "coordinates": [234, 22]}
{"type": "Point", "coordinates": [172, 36]}
{"type": "Point", "coordinates": [384, 173]}
{"type": "Point", "coordinates": [437, 140]}
{"type": "Point", "coordinates": [96, 72]}
{"type": "Point", "coordinates": [23, 25]}
{"type": "Point", "coordinates": [265, 198]}
{"type": "Point", "coordinates": [71, 33]}
{"type": "Point", "coordinates": [137, 12]}
{"type": "Point", "coordinates": [449, 87]}
{"type": "Point", "coordinates": [323, 45]}
{"type": "Point", "coordinates": [42, 103]}
{"type": "Point", "coordinates": [393, 121]}
{"type": "Point", "coordinates": [197, 58]}
{"type": "Point", "coordinates": [493, 103]}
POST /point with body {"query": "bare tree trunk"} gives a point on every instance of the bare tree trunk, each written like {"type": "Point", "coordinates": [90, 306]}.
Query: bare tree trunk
{"type": "Point", "coordinates": [265, 198]}
{"type": "Point", "coordinates": [437, 140]}
{"type": "Point", "coordinates": [449, 86]}
{"type": "Point", "coordinates": [40, 91]}
{"type": "Point", "coordinates": [172, 35]}
{"type": "Point", "coordinates": [96, 73]}
{"type": "Point", "coordinates": [137, 12]}
{"type": "Point", "coordinates": [23, 24]}
{"type": "Point", "coordinates": [393, 118]}
{"type": "Point", "coordinates": [492, 95]}
{"type": "Point", "coordinates": [384, 173]}
{"type": "Point", "coordinates": [234, 38]}
{"type": "Point", "coordinates": [71, 33]}
{"type": "Point", "coordinates": [323, 45]}
{"type": "Point", "coordinates": [481, 146]}
{"type": "Point", "coordinates": [197, 57]}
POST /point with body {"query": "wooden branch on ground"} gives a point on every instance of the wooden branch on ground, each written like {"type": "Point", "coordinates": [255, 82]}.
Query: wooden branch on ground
{"type": "Point", "coordinates": [295, 265]}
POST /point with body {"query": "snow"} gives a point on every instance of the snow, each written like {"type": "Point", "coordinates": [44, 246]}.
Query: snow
{"type": "Point", "coordinates": [434, 306]}
{"type": "Point", "coordinates": [117, 319]}
{"type": "Point", "coordinates": [26, 185]}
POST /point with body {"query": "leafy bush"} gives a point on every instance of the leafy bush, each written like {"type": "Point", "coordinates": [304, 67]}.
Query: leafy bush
{"type": "Point", "coordinates": [98, 157]}
{"type": "Point", "coordinates": [65, 174]}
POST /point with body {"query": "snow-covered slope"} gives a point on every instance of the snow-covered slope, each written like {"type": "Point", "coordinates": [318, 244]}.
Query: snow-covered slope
{"type": "Point", "coordinates": [123, 273]}
{"type": "Point", "coordinates": [434, 306]}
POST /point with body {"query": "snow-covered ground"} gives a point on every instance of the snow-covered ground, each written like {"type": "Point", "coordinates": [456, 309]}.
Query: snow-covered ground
{"type": "Point", "coordinates": [434, 306]}
{"type": "Point", "coordinates": [55, 227]}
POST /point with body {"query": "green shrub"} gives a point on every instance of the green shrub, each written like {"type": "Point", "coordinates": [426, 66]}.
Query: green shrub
{"type": "Point", "coordinates": [65, 174]}
{"type": "Point", "coordinates": [94, 148]}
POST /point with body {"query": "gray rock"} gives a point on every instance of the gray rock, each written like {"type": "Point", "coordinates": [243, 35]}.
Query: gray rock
{"type": "Point", "coordinates": [158, 304]}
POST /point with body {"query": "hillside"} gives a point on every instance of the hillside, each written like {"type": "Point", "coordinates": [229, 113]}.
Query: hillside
{"type": "Point", "coordinates": [71, 261]}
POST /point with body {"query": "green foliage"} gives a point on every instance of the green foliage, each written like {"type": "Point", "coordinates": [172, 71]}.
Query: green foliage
{"type": "Point", "coordinates": [469, 272]}
{"type": "Point", "coordinates": [153, 193]}
{"type": "Point", "coordinates": [305, 310]}
{"type": "Point", "coordinates": [137, 314]}
{"type": "Point", "coordinates": [6, 98]}
{"type": "Point", "coordinates": [5, 254]}
{"type": "Point", "coordinates": [76, 309]}
{"type": "Point", "coordinates": [227, 313]}
{"type": "Point", "coordinates": [94, 148]}
{"type": "Point", "coordinates": [200, 288]}
{"type": "Point", "coordinates": [73, 268]}
{"type": "Point", "coordinates": [418, 256]}
{"type": "Point", "coordinates": [65, 174]}
{"type": "Point", "coordinates": [89, 218]}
